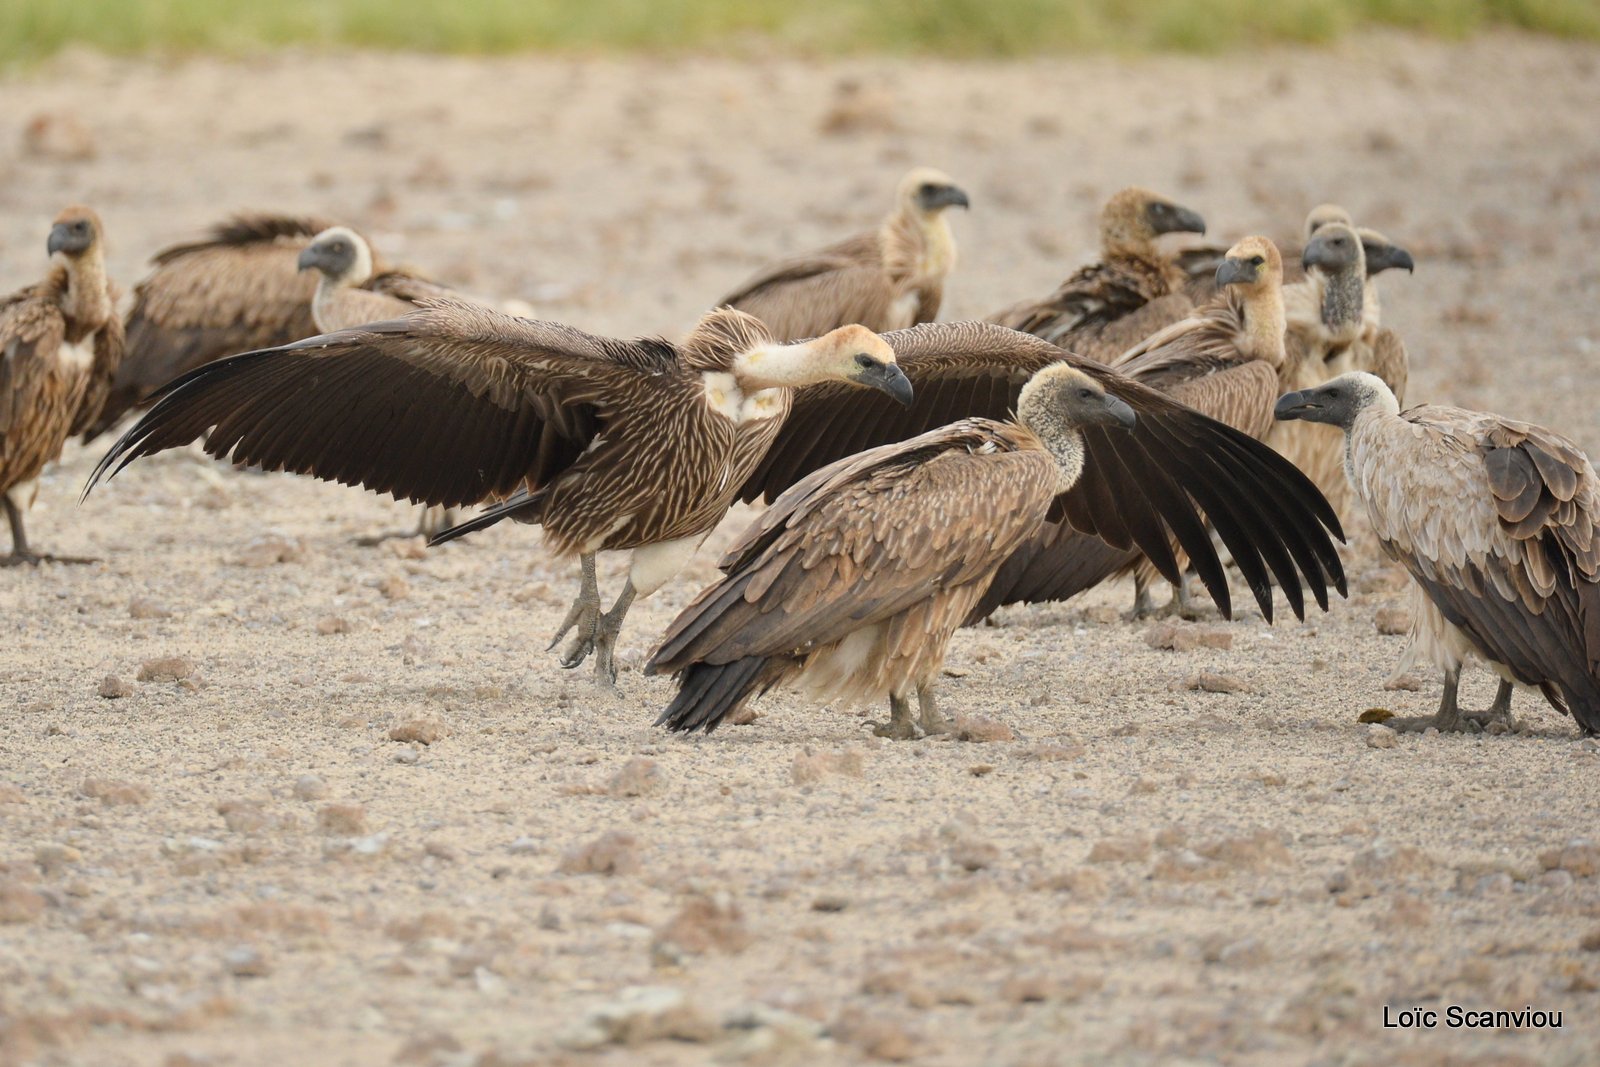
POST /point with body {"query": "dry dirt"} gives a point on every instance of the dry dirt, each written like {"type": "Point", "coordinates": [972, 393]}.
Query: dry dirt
{"type": "Point", "coordinates": [242, 866]}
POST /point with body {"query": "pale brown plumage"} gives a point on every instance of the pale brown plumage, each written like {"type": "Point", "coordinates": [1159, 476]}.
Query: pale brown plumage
{"type": "Point", "coordinates": [1222, 361]}
{"type": "Point", "coordinates": [60, 343]}
{"type": "Point", "coordinates": [1135, 289]}
{"type": "Point", "coordinates": [888, 279]}
{"type": "Point", "coordinates": [235, 290]}
{"type": "Point", "coordinates": [1185, 470]}
{"type": "Point", "coordinates": [1498, 524]}
{"type": "Point", "coordinates": [609, 445]}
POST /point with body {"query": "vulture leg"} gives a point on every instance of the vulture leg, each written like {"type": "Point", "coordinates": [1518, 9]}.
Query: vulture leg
{"type": "Point", "coordinates": [1143, 606]}
{"type": "Point", "coordinates": [605, 638]}
{"type": "Point", "coordinates": [584, 614]}
{"type": "Point", "coordinates": [900, 727]}
{"type": "Point", "coordinates": [1449, 718]}
{"type": "Point", "coordinates": [1499, 711]}
{"type": "Point", "coordinates": [933, 721]}
{"type": "Point", "coordinates": [433, 521]}
{"type": "Point", "coordinates": [20, 552]}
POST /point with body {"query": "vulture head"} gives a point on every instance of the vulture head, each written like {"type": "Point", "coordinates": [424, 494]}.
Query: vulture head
{"type": "Point", "coordinates": [1335, 250]}
{"type": "Point", "coordinates": [1324, 214]}
{"type": "Point", "coordinates": [1251, 264]}
{"type": "Point", "coordinates": [927, 192]}
{"type": "Point", "coordinates": [1337, 402]}
{"type": "Point", "coordinates": [1135, 217]}
{"type": "Point", "coordinates": [1382, 253]}
{"type": "Point", "coordinates": [851, 354]}
{"type": "Point", "coordinates": [856, 354]}
{"type": "Point", "coordinates": [74, 232]}
{"type": "Point", "coordinates": [340, 254]}
{"type": "Point", "coordinates": [1060, 400]}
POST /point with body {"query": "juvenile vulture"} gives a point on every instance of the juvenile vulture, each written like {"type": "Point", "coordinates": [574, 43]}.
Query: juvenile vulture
{"type": "Point", "coordinates": [854, 580]}
{"type": "Point", "coordinates": [1176, 473]}
{"type": "Point", "coordinates": [888, 279]}
{"type": "Point", "coordinates": [609, 445]}
{"type": "Point", "coordinates": [1498, 523]}
{"type": "Point", "coordinates": [60, 341]}
{"type": "Point", "coordinates": [1135, 290]}
{"type": "Point", "coordinates": [1223, 361]}
{"type": "Point", "coordinates": [237, 289]}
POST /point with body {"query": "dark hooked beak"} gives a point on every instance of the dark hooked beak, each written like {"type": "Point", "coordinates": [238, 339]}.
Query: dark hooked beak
{"type": "Point", "coordinates": [1235, 271]}
{"type": "Point", "coordinates": [310, 259]}
{"type": "Point", "coordinates": [1185, 221]}
{"type": "Point", "coordinates": [1385, 257]}
{"type": "Point", "coordinates": [1119, 413]}
{"type": "Point", "coordinates": [64, 239]}
{"type": "Point", "coordinates": [945, 196]}
{"type": "Point", "coordinates": [1292, 406]}
{"type": "Point", "coordinates": [888, 378]}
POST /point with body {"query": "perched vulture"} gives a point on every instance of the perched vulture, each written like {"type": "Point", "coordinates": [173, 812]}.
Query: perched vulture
{"type": "Point", "coordinates": [1498, 523]}
{"type": "Point", "coordinates": [888, 279]}
{"type": "Point", "coordinates": [1178, 471]}
{"type": "Point", "coordinates": [236, 290]}
{"type": "Point", "coordinates": [60, 342]}
{"type": "Point", "coordinates": [1135, 290]}
{"type": "Point", "coordinates": [609, 445]}
{"type": "Point", "coordinates": [1379, 349]}
{"type": "Point", "coordinates": [854, 580]}
{"type": "Point", "coordinates": [1200, 261]}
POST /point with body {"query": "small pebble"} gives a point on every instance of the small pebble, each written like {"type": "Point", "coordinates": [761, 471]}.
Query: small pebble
{"type": "Point", "coordinates": [246, 961]}
{"type": "Point", "coordinates": [310, 787]}
{"type": "Point", "coordinates": [114, 688]}
{"type": "Point", "coordinates": [423, 729]}
{"type": "Point", "coordinates": [1381, 736]}
{"type": "Point", "coordinates": [343, 820]}
{"type": "Point", "coordinates": [166, 669]}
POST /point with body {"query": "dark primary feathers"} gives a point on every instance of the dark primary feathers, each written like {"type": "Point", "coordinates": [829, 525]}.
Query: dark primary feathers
{"type": "Point", "coordinates": [1175, 472]}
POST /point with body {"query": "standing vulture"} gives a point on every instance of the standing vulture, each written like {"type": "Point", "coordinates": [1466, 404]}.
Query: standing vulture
{"type": "Point", "coordinates": [60, 342]}
{"type": "Point", "coordinates": [1135, 290]}
{"type": "Point", "coordinates": [888, 279]}
{"type": "Point", "coordinates": [237, 289]}
{"type": "Point", "coordinates": [853, 581]}
{"type": "Point", "coordinates": [609, 445]}
{"type": "Point", "coordinates": [1498, 523]}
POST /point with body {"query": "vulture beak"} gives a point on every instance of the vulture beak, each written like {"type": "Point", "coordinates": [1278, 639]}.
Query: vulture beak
{"type": "Point", "coordinates": [944, 196]}
{"type": "Point", "coordinates": [1234, 272]}
{"type": "Point", "coordinates": [1383, 257]}
{"type": "Point", "coordinates": [1119, 413]}
{"type": "Point", "coordinates": [1184, 221]}
{"type": "Point", "coordinates": [887, 378]}
{"type": "Point", "coordinates": [310, 259]}
{"type": "Point", "coordinates": [1291, 406]}
{"type": "Point", "coordinates": [64, 237]}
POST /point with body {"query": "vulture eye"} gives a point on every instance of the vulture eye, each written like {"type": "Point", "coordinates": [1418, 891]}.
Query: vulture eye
{"type": "Point", "coordinates": [928, 189]}
{"type": "Point", "coordinates": [1159, 209]}
{"type": "Point", "coordinates": [1085, 394]}
{"type": "Point", "coordinates": [864, 361]}
{"type": "Point", "coordinates": [1256, 261]}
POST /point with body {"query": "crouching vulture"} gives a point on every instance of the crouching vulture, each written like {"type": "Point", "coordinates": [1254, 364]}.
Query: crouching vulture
{"type": "Point", "coordinates": [609, 445]}
{"type": "Point", "coordinates": [856, 577]}
{"type": "Point", "coordinates": [1498, 524]}
{"type": "Point", "coordinates": [60, 343]}
{"type": "Point", "coordinates": [887, 279]}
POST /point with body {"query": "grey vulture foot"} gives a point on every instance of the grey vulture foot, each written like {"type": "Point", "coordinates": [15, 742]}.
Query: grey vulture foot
{"type": "Point", "coordinates": [934, 721]}
{"type": "Point", "coordinates": [583, 618]}
{"type": "Point", "coordinates": [1498, 716]}
{"type": "Point", "coordinates": [605, 638]}
{"type": "Point", "coordinates": [1447, 720]}
{"type": "Point", "coordinates": [1143, 605]}
{"type": "Point", "coordinates": [23, 556]}
{"type": "Point", "coordinates": [900, 726]}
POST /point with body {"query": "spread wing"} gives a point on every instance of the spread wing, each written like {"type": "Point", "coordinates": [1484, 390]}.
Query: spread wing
{"type": "Point", "coordinates": [448, 406]}
{"type": "Point", "coordinates": [808, 295]}
{"type": "Point", "coordinates": [31, 329]}
{"type": "Point", "coordinates": [1175, 471]}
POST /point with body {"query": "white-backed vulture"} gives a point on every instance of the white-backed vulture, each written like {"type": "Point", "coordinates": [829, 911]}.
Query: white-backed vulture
{"type": "Point", "coordinates": [1176, 473]}
{"type": "Point", "coordinates": [1223, 361]}
{"type": "Point", "coordinates": [60, 342]}
{"type": "Point", "coordinates": [1200, 261]}
{"type": "Point", "coordinates": [609, 445]}
{"type": "Point", "coordinates": [1135, 289]}
{"type": "Point", "coordinates": [888, 279]}
{"type": "Point", "coordinates": [235, 290]}
{"type": "Point", "coordinates": [1498, 524]}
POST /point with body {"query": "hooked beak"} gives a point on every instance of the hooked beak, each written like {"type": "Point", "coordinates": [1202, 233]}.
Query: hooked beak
{"type": "Point", "coordinates": [945, 196]}
{"type": "Point", "coordinates": [1385, 257]}
{"type": "Point", "coordinates": [1234, 272]}
{"type": "Point", "coordinates": [1291, 406]}
{"type": "Point", "coordinates": [310, 259]}
{"type": "Point", "coordinates": [62, 239]}
{"type": "Point", "coordinates": [1119, 413]}
{"type": "Point", "coordinates": [1185, 221]}
{"type": "Point", "coordinates": [888, 378]}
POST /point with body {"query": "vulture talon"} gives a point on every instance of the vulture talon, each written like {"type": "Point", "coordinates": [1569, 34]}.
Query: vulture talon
{"type": "Point", "coordinates": [933, 721]}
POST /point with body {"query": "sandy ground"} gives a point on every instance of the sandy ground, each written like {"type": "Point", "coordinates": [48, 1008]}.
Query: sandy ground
{"type": "Point", "coordinates": [243, 867]}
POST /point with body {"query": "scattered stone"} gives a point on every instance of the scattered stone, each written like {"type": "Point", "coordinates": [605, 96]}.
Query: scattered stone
{"type": "Point", "coordinates": [612, 853]}
{"type": "Point", "coordinates": [639, 1015]}
{"type": "Point", "coordinates": [430, 1050]}
{"type": "Point", "coordinates": [310, 787]}
{"type": "Point", "coordinates": [1387, 860]}
{"type": "Point", "coordinates": [765, 1035]}
{"type": "Point", "coordinates": [52, 857]}
{"type": "Point", "coordinates": [704, 924]}
{"type": "Point", "coordinates": [1579, 857]}
{"type": "Point", "coordinates": [972, 854]}
{"type": "Point", "coordinates": [1187, 865]}
{"type": "Point", "coordinates": [1245, 952]}
{"type": "Point", "coordinates": [810, 766]}
{"type": "Point", "coordinates": [407, 757]}
{"type": "Point", "coordinates": [1392, 621]}
{"type": "Point", "coordinates": [333, 624]}
{"type": "Point", "coordinates": [1255, 851]}
{"type": "Point", "coordinates": [142, 607]}
{"type": "Point", "coordinates": [442, 850]}
{"type": "Point", "coordinates": [243, 816]}
{"type": "Point", "coordinates": [1380, 736]}
{"type": "Point", "coordinates": [1590, 942]}
{"type": "Point", "coordinates": [1408, 683]}
{"type": "Point", "coordinates": [1053, 752]}
{"type": "Point", "coordinates": [981, 730]}
{"type": "Point", "coordinates": [113, 792]}
{"type": "Point", "coordinates": [19, 904]}
{"type": "Point", "coordinates": [1120, 850]}
{"type": "Point", "coordinates": [424, 729]}
{"type": "Point", "coordinates": [830, 903]}
{"type": "Point", "coordinates": [639, 777]}
{"type": "Point", "coordinates": [877, 1037]}
{"type": "Point", "coordinates": [166, 669]}
{"type": "Point", "coordinates": [342, 820]}
{"type": "Point", "coordinates": [1083, 882]}
{"type": "Point", "coordinates": [1206, 682]}
{"type": "Point", "coordinates": [1186, 637]}
{"type": "Point", "coordinates": [246, 961]}
{"type": "Point", "coordinates": [269, 551]}
{"type": "Point", "coordinates": [394, 587]}
{"type": "Point", "coordinates": [981, 770]}
{"type": "Point", "coordinates": [114, 688]}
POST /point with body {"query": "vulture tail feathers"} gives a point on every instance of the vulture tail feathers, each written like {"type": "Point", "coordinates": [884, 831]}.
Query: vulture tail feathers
{"type": "Point", "coordinates": [709, 692]}
{"type": "Point", "coordinates": [521, 505]}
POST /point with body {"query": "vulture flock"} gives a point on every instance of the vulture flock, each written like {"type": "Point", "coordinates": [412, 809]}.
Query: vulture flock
{"type": "Point", "coordinates": [1174, 410]}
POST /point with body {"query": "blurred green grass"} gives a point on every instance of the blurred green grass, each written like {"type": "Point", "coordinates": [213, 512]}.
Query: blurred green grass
{"type": "Point", "coordinates": [34, 29]}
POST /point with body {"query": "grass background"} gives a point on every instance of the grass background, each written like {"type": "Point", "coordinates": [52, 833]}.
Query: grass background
{"type": "Point", "coordinates": [34, 29]}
